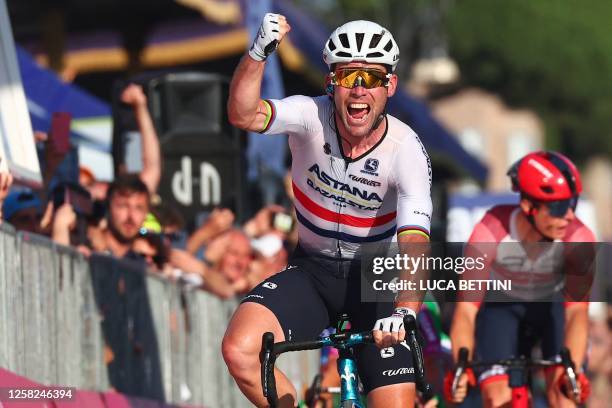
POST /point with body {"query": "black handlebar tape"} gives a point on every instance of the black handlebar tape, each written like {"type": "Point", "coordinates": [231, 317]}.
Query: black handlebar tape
{"type": "Point", "coordinates": [570, 370]}
{"type": "Point", "coordinates": [267, 368]}
{"type": "Point", "coordinates": [463, 357]}
{"type": "Point", "coordinates": [462, 362]}
{"type": "Point", "coordinates": [566, 358]}
{"type": "Point", "coordinates": [286, 346]}
{"type": "Point", "coordinates": [417, 357]}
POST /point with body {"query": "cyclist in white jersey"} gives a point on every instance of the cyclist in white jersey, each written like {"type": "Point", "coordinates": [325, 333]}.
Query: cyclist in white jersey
{"type": "Point", "coordinates": [359, 176]}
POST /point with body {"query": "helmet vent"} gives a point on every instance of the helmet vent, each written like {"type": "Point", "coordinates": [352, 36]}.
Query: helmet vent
{"type": "Point", "coordinates": [344, 40]}
{"type": "Point", "coordinates": [547, 189]}
{"type": "Point", "coordinates": [343, 54]}
{"type": "Point", "coordinates": [389, 46]}
{"type": "Point", "coordinates": [359, 37]}
{"type": "Point", "coordinates": [375, 40]}
{"type": "Point", "coordinates": [374, 55]}
{"type": "Point", "coordinates": [331, 45]}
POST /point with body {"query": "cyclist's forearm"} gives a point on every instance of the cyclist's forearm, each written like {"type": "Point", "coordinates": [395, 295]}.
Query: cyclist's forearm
{"type": "Point", "coordinates": [415, 246]}
{"type": "Point", "coordinates": [245, 94]}
{"type": "Point", "coordinates": [576, 332]}
{"type": "Point", "coordinates": [463, 328]}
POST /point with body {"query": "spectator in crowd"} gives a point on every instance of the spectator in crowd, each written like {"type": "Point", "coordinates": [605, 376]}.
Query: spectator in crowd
{"type": "Point", "coordinates": [230, 255]}
{"type": "Point", "coordinates": [172, 224]}
{"type": "Point", "coordinates": [151, 247]}
{"type": "Point", "coordinates": [87, 179]}
{"type": "Point", "coordinates": [219, 221]}
{"type": "Point", "coordinates": [128, 206]}
{"type": "Point", "coordinates": [186, 267]}
{"type": "Point", "coordinates": [270, 257]}
{"type": "Point", "coordinates": [600, 358]}
{"type": "Point", "coordinates": [150, 174]}
{"type": "Point", "coordinates": [6, 180]}
{"type": "Point", "coordinates": [23, 210]}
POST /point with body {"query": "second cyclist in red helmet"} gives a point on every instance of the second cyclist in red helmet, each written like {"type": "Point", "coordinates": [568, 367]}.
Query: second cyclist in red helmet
{"type": "Point", "coordinates": [549, 184]}
{"type": "Point", "coordinates": [527, 248]}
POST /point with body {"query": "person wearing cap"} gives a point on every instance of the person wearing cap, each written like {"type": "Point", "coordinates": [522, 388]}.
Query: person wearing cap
{"type": "Point", "coordinates": [521, 243]}
{"type": "Point", "coordinates": [359, 175]}
{"type": "Point", "coordinates": [23, 210]}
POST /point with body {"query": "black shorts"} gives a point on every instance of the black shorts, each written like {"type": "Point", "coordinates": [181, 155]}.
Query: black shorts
{"type": "Point", "coordinates": [312, 293]}
{"type": "Point", "coordinates": [511, 330]}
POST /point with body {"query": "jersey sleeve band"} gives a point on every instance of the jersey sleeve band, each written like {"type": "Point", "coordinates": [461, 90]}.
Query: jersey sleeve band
{"type": "Point", "coordinates": [270, 115]}
{"type": "Point", "coordinates": [412, 229]}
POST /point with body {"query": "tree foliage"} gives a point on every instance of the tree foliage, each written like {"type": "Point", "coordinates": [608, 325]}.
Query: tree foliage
{"type": "Point", "coordinates": [552, 56]}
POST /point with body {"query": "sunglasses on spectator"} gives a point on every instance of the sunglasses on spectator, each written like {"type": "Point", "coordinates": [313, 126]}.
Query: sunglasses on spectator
{"type": "Point", "coordinates": [368, 78]}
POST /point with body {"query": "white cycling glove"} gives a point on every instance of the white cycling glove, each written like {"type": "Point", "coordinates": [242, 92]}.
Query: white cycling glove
{"type": "Point", "coordinates": [266, 40]}
{"type": "Point", "coordinates": [395, 322]}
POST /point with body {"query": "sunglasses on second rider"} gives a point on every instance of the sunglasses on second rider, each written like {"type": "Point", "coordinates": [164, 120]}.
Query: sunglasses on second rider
{"type": "Point", "coordinates": [351, 77]}
{"type": "Point", "coordinates": [561, 207]}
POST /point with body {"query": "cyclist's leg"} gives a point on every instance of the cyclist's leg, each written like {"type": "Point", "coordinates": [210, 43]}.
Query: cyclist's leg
{"type": "Point", "coordinates": [497, 337]}
{"type": "Point", "coordinates": [288, 305]}
{"type": "Point", "coordinates": [388, 374]}
{"type": "Point", "coordinates": [241, 348]}
{"type": "Point", "coordinates": [551, 325]}
{"type": "Point", "coordinates": [390, 396]}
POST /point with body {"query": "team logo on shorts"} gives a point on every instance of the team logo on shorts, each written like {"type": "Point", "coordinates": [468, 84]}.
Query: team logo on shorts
{"type": "Point", "coordinates": [270, 285]}
{"type": "Point", "coordinates": [387, 352]}
{"type": "Point", "coordinates": [399, 371]}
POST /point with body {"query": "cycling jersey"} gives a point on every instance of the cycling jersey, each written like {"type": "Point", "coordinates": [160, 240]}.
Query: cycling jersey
{"type": "Point", "coordinates": [539, 276]}
{"type": "Point", "coordinates": [342, 202]}
{"type": "Point", "coordinates": [510, 329]}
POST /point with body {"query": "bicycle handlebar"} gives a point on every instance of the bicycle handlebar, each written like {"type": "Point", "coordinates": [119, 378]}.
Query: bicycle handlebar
{"type": "Point", "coordinates": [270, 350]}
{"type": "Point", "coordinates": [422, 385]}
{"type": "Point", "coordinates": [518, 363]}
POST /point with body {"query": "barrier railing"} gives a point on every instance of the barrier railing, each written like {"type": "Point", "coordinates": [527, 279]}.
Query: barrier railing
{"type": "Point", "coordinates": [102, 323]}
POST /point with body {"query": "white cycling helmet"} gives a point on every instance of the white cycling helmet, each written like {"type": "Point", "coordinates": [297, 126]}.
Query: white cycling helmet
{"type": "Point", "coordinates": [361, 41]}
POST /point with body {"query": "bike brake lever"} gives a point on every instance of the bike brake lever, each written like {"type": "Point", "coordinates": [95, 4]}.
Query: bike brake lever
{"type": "Point", "coordinates": [461, 365]}
{"type": "Point", "coordinates": [570, 371]}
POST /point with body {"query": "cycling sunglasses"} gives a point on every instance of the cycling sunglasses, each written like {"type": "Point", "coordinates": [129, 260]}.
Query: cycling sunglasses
{"type": "Point", "coordinates": [367, 77]}
{"type": "Point", "coordinates": [561, 207]}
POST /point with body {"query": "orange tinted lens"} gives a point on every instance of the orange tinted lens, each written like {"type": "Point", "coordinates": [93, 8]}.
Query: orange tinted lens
{"type": "Point", "coordinates": [349, 78]}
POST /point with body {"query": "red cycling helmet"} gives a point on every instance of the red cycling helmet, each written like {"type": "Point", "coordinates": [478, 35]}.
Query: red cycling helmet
{"type": "Point", "coordinates": [548, 177]}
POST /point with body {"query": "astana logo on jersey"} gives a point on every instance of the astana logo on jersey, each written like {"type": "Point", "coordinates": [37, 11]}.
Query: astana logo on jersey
{"type": "Point", "coordinates": [341, 192]}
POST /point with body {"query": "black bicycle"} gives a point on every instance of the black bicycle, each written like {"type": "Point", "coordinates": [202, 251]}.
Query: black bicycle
{"type": "Point", "coordinates": [347, 368]}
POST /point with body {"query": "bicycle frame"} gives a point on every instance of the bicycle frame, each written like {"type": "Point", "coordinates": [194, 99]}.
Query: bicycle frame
{"type": "Point", "coordinates": [349, 386]}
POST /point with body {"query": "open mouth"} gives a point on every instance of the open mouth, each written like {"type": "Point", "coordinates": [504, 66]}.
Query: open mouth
{"type": "Point", "coordinates": [358, 112]}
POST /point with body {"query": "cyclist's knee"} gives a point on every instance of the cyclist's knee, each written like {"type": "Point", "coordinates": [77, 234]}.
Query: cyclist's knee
{"type": "Point", "coordinates": [239, 354]}
{"type": "Point", "coordinates": [242, 341]}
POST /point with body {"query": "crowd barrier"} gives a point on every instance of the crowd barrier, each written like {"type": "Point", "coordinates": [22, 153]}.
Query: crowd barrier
{"type": "Point", "coordinates": [103, 324]}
